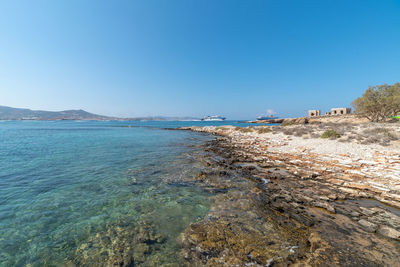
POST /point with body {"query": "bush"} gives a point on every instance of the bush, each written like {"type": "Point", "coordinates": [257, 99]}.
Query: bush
{"type": "Point", "coordinates": [301, 131]}
{"type": "Point", "coordinates": [262, 130]}
{"type": "Point", "coordinates": [332, 134]}
{"type": "Point", "coordinates": [370, 140]}
{"type": "Point", "coordinates": [287, 123]}
{"type": "Point", "coordinates": [288, 131]}
{"type": "Point", "coordinates": [385, 134]}
{"type": "Point", "coordinates": [277, 129]}
{"type": "Point", "coordinates": [244, 129]}
{"type": "Point", "coordinates": [379, 102]}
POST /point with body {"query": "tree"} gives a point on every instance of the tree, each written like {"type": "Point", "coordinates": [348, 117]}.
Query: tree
{"type": "Point", "coordinates": [379, 102]}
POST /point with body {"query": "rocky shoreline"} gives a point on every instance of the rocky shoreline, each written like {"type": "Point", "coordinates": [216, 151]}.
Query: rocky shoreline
{"type": "Point", "coordinates": [349, 118]}
{"type": "Point", "coordinates": [280, 204]}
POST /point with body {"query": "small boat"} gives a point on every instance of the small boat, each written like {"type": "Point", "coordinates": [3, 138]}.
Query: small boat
{"type": "Point", "coordinates": [270, 117]}
{"type": "Point", "coordinates": [213, 118]}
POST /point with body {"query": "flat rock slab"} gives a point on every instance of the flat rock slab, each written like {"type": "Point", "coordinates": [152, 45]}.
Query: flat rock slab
{"type": "Point", "coordinates": [368, 226]}
{"type": "Point", "coordinates": [389, 232]}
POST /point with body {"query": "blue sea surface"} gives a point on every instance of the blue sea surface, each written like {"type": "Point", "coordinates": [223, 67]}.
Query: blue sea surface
{"type": "Point", "coordinates": [65, 183]}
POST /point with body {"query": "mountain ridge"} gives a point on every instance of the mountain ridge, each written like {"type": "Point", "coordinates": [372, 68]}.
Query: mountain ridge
{"type": "Point", "coordinates": [10, 113]}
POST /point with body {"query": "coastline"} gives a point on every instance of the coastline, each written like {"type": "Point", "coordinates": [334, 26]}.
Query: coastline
{"type": "Point", "coordinates": [285, 200]}
{"type": "Point", "coordinates": [348, 118]}
{"type": "Point", "coordinates": [246, 196]}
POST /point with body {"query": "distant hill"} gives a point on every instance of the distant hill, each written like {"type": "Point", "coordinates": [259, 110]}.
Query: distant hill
{"type": "Point", "coordinates": [8, 113]}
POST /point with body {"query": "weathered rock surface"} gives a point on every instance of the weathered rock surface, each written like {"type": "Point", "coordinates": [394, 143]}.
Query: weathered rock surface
{"type": "Point", "coordinates": [277, 208]}
{"type": "Point", "coordinates": [389, 232]}
{"type": "Point", "coordinates": [370, 227]}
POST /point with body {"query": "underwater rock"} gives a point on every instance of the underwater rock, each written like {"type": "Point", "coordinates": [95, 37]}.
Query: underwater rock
{"type": "Point", "coordinates": [118, 246]}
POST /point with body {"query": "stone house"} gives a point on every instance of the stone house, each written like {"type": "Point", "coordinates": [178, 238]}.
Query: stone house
{"type": "Point", "coordinates": [314, 113]}
{"type": "Point", "coordinates": [340, 111]}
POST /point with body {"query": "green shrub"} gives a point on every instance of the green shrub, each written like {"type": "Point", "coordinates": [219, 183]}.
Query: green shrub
{"type": "Point", "coordinates": [244, 129]}
{"type": "Point", "coordinates": [330, 134]}
{"type": "Point", "coordinates": [287, 123]}
{"type": "Point", "coordinates": [263, 130]}
{"type": "Point", "coordinates": [378, 103]}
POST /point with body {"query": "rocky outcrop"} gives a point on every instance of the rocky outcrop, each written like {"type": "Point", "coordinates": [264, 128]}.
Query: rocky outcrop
{"type": "Point", "coordinates": [284, 121]}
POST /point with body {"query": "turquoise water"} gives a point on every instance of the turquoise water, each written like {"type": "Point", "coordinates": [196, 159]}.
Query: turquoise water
{"type": "Point", "coordinates": [67, 186]}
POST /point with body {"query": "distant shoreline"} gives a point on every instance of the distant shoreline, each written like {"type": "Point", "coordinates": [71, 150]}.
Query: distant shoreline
{"type": "Point", "coordinates": [10, 113]}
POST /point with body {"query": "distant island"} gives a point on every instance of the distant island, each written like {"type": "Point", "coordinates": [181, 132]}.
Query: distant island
{"type": "Point", "coordinates": [9, 113]}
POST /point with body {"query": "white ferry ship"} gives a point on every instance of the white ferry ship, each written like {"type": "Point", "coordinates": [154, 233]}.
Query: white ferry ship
{"type": "Point", "coordinates": [266, 117]}
{"type": "Point", "coordinates": [213, 118]}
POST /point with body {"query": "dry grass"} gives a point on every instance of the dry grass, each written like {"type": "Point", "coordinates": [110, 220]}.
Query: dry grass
{"type": "Point", "coordinates": [383, 136]}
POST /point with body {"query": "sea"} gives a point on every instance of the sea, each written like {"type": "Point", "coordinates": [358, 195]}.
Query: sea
{"type": "Point", "coordinates": [75, 192]}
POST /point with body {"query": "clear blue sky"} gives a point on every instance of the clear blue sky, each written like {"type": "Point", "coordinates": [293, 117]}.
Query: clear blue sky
{"type": "Point", "coordinates": [195, 58]}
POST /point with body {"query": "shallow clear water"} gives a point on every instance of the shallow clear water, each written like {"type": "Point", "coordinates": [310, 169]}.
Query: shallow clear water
{"type": "Point", "coordinates": [63, 184]}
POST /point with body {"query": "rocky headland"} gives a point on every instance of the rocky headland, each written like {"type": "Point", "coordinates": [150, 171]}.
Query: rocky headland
{"type": "Point", "coordinates": [286, 196]}
{"type": "Point", "coordinates": [349, 118]}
